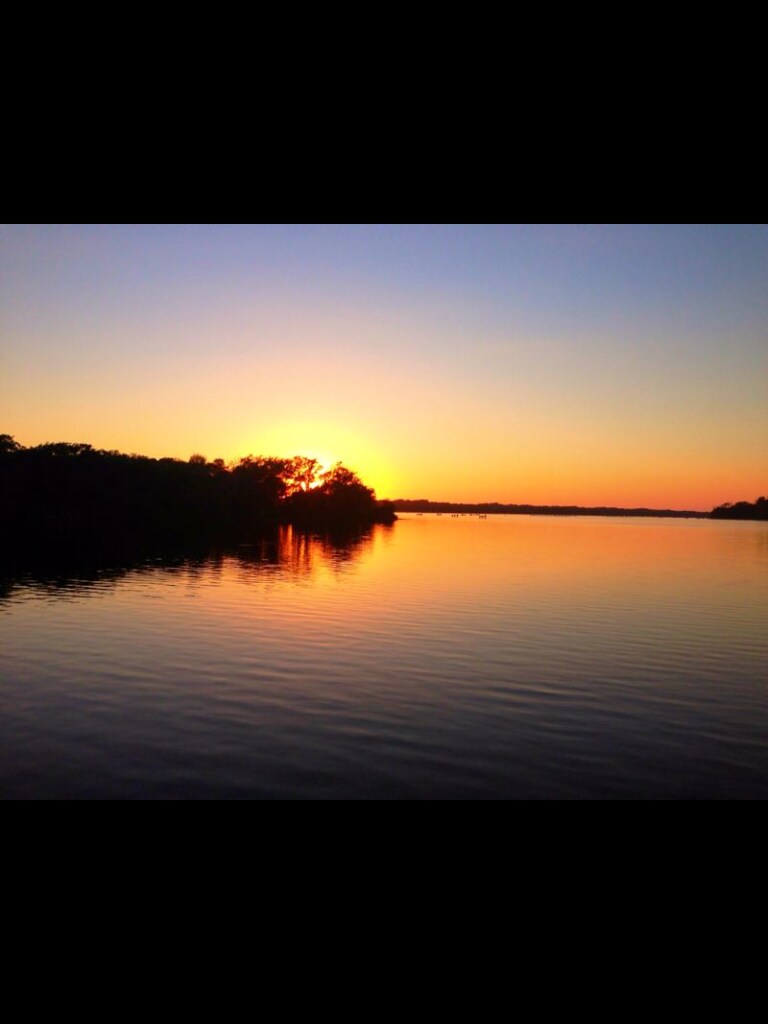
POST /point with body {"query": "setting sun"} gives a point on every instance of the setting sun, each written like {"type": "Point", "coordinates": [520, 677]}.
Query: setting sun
{"type": "Point", "coordinates": [329, 443]}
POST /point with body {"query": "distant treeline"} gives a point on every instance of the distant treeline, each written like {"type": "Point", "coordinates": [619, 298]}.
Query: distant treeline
{"type": "Point", "coordinates": [65, 488]}
{"type": "Point", "coordinates": [757, 509]}
{"type": "Point", "coordinates": [422, 505]}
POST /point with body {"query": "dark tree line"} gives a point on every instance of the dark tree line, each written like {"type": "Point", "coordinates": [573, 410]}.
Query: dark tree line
{"type": "Point", "coordinates": [61, 487]}
{"type": "Point", "coordinates": [496, 508]}
{"type": "Point", "coordinates": [757, 509]}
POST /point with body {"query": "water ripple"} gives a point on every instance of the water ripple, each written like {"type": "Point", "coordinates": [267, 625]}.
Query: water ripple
{"type": "Point", "coordinates": [524, 657]}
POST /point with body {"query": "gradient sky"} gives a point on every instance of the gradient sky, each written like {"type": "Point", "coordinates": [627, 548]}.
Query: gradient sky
{"type": "Point", "coordinates": [622, 365]}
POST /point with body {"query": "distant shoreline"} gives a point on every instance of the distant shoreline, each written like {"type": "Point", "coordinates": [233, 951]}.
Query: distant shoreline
{"type": "Point", "coordinates": [496, 508]}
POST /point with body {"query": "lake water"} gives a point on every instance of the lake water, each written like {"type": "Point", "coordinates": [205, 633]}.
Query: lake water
{"type": "Point", "coordinates": [507, 657]}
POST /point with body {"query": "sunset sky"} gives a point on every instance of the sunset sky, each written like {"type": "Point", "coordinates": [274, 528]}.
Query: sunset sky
{"type": "Point", "coordinates": [622, 365]}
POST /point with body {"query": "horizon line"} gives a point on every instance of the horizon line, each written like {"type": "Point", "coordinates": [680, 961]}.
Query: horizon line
{"type": "Point", "coordinates": [538, 505]}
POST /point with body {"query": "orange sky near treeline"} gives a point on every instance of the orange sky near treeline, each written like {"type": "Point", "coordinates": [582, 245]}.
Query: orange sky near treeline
{"type": "Point", "coordinates": [623, 366]}
{"type": "Point", "coordinates": [413, 463]}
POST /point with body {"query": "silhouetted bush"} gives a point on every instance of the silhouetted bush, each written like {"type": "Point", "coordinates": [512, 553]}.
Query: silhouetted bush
{"type": "Point", "coordinates": [742, 510]}
{"type": "Point", "coordinates": [75, 489]}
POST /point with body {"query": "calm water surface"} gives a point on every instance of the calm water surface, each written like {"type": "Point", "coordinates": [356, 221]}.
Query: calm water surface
{"type": "Point", "coordinates": [510, 657]}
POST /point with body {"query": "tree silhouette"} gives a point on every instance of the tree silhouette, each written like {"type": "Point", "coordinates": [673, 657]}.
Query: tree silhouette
{"type": "Point", "coordinates": [301, 473]}
{"type": "Point", "coordinates": [68, 488]}
{"type": "Point", "coordinates": [742, 510]}
{"type": "Point", "coordinates": [8, 444]}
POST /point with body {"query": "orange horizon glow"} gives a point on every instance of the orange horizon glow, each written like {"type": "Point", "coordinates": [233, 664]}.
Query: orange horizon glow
{"type": "Point", "coordinates": [673, 485]}
{"type": "Point", "coordinates": [592, 366]}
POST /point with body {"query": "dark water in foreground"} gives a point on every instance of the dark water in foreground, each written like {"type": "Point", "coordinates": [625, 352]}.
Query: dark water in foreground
{"type": "Point", "coordinates": [509, 657]}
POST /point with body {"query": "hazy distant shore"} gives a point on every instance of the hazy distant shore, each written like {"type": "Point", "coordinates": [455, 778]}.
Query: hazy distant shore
{"type": "Point", "coordinates": [496, 508]}
{"type": "Point", "coordinates": [757, 509]}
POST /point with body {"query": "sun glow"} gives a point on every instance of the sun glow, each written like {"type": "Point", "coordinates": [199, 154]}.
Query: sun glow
{"type": "Point", "coordinates": [328, 443]}
{"type": "Point", "coordinates": [324, 461]}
